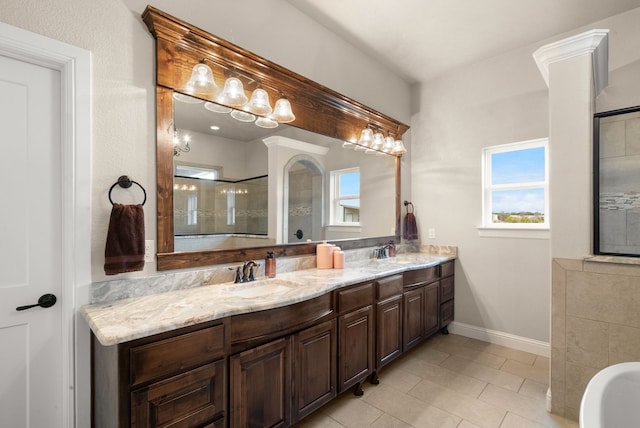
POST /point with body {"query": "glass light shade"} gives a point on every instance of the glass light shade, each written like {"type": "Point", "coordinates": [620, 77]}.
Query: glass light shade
{"type": "Point", "coordinates": [398, 148]}
{"type": "Point", "coordinates": [233, 93]}
{"type": "Point", "coordinates": [266, 122]}
{"type": "Point", "coordinates": [242, 116]}
{"type": "Point", "coordinates": [366, 137]}
{"type": "Point", "coordinates": [217, 108]}
{"type": "Point", "coordinates": [259, 103]}
{"type": "Point", "coordinates": [378, 141]}
{"type": "Point", "coordinates": [282, 112]}
{"type": "Point", "coordinates": [201, 81]}
{"type": "Point", "coordinates": [389, 142]}
{"type": "Point", "coordinates": [185, 98]}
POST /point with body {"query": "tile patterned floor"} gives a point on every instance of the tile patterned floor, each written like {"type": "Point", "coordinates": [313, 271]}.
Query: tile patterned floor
{"type": "Point", "coordinates": [449, 381]}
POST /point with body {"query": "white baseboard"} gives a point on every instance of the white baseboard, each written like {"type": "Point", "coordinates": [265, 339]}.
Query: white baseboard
{"type": "Point", "coordinates": [500, 338]}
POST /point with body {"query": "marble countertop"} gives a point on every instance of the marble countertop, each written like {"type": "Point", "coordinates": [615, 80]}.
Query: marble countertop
{"type": "Point", "coordinates": [134, 318]}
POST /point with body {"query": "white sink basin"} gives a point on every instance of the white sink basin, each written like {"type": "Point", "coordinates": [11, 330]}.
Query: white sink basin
{"type": "Point", "coordinates": [611, 398]}
{"type": "Point", "coordinates": [260, 288]}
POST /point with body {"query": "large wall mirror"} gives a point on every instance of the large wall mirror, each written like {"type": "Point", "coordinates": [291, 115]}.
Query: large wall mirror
{"type": "Point", "coordinates": [228, 190]}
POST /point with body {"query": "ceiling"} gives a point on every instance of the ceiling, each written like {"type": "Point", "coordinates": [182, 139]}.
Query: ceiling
{"type": "Point", "coordinates": [422, 39]}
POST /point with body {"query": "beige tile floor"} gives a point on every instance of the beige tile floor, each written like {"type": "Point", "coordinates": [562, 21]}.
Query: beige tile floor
{"type": "Point", "coordinates": [449, 381]}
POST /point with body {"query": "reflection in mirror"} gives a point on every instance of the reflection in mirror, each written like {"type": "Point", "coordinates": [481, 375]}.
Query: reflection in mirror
{"type": "Point", "coordinates": [238, 185]}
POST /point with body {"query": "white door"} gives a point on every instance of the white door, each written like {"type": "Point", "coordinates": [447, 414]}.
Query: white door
{"type": "Point", "coordinates": [31, 265]}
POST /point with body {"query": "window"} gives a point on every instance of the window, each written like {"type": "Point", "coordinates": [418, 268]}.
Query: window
{"type": "Point", "coordinates": [515, 185]}
{"type": "Point", "coordinates": [345, 197]}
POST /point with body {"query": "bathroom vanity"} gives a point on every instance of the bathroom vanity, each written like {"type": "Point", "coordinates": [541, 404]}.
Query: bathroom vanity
{"type": "Point", "coordinates": [269, 365]}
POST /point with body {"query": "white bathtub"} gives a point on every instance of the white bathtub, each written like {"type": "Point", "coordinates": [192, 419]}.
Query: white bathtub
{"type": "Point", "coordinates": [612, 398]}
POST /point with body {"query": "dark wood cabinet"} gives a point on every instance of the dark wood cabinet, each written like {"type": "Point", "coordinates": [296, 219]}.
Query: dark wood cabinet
{"type": "Point", "coordinates": [355, 336]}
{"type": "Point", "coordinates": [431, 309]}
{"type": "Point", "coordinates": [388, 319]}
{"type": "Point", "coordinates": [428, 302]}
{"type": "Point", "coordinates": [190, 399]}
{"type": "Point", "coordinates": [388, 330]}
{"type": "Point", "coordinates": [272, 367]}
{"type": "Point", "coordinates": [447, 294]}
{"type": "Point", "coordinates": [355, 354]}
{"type": "Point", "coordinates": [177, 378]}
{"type": "Point", "coordinates": [315, 368]}
{"type": "Point", "coordinates": [260, 386]}
{"type": "Point", "coordinates": [413, 301]}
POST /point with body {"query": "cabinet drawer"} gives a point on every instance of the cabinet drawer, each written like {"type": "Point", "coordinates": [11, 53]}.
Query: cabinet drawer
{"type": "Point", "coordinates": [169, 356]}
{"type": "Point", "coordinates": [446, 269]}
{"type": "Point", "coordinates": [257, 327]}
{"type": "Point", "coordinates": [447, 289]}
{"type": "Point", "coordinates": [420, 276]}
{"type": "Point", "coordinates": [355, 297]}
{"type": "Point", "coordinates": [446, 313]}
{"type": "Point", "coordinates": [390, 286]}
{"type": "Point", "coordinates": [192, 398]}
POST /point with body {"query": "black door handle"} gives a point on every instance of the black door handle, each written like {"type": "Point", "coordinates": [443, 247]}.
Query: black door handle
{"type": "Point", "coordinates": [299, 234]}
{"type": "Point", "coordinates": [45, 301]}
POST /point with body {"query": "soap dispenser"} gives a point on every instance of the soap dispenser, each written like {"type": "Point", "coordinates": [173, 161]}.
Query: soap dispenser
{"type": "Point", "coordinates": [392, 249]}
{"type": "Point", "coordinates": [270, 265]}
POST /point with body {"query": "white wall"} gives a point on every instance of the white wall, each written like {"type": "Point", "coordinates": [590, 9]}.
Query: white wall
{"type": "Point", "coordinates": [501, 284]}
{"type": "Point", "coordinates": [123, 75]}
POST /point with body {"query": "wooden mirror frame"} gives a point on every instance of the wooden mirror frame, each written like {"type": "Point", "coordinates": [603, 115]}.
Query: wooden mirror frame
{"type": "Point", "coordinates": [179, 46]}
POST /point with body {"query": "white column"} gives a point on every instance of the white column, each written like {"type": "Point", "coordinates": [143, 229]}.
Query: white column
{"type": "Point", "coordinates": [575, 70]}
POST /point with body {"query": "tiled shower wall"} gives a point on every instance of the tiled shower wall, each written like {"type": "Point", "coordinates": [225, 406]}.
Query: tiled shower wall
{"type": "Point", "coordinates": [595, 322]}
{"type": "Point", "coordinates": [620, 184]}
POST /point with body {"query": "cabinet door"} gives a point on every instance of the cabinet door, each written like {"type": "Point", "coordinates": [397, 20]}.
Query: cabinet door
{"type": "Point", "coordinates": [315, 368]}
{"type": "Point", "coordinates": [193, 398]}
{"type": "Point", "coordinates": [446, 313]}
{"type": "Point", "coordinates": [389, 330]}
{"type": "Point", "coordinates": [261, 386]}
{"type": "Point", "coordinates": [355, 352]}
{"type": "Point", "coordinates": [431, 309]}
{"type": "Point", "coordinates": [413, 302]}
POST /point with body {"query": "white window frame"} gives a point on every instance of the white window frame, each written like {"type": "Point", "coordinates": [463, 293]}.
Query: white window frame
{"type": "Point", "coordinates": [335, 199]}
{"type": "Point", "coordinates": [517, 230]}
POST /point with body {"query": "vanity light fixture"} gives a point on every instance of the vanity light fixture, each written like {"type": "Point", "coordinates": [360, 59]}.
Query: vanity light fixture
{"type": "Point", "coordinates": [365, 140]}
{"type": "Point", "coordinates": [180, 144]}
{"type": "Point", "coordinates": [201, 81]}
{"type": "Point", "coordinates": [233, 93]}
{"type": "Point", "coordinates": [233, 96]}
{"type": "Point", "coordinates": [259, 103]}
{"type": "Point", "coordinates": [398, 148]}
{"type": "Point", "coordinates": [282, 111]}
{"type": "Point", "coordinates": [389, 142]}
{"type": "Point", "coordinates": [376, 143]}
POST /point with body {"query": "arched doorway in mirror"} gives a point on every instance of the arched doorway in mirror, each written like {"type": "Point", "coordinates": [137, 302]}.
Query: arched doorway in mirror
{"type": "Point", "coordinates": [303, 200]}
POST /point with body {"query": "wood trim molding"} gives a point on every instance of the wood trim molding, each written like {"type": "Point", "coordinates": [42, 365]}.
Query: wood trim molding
{"type": "Point", "coordinates": [179, 46]}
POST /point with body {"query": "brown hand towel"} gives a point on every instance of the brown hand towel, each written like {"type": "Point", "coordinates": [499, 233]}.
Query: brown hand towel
{"type": "Point", "coordinates": [410, 225]}
{"type": "Point", "coordinates": [124, 251]}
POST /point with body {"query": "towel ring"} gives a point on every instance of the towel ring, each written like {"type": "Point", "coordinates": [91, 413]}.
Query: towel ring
{"type": "Point", "coordinates": [406, 204]}
{"type": "Point", "coordinates": [125, 182]}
